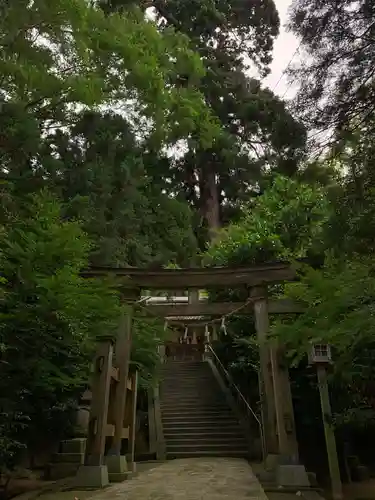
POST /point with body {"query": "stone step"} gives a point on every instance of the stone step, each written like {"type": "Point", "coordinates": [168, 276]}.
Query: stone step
{"type": "Point", "coordinates": [183, 408]}
{"type": "Point", "coordinates": [187, 390]}
{"type": "Point", "coordinates": [191, 403]}
{"type": "Point", "coordinates": [198, 412]}
{"type": "Point", "coordinates": [58, 471]}
{"type": "Point", "coordinates": [188, 375]}
{"type": "Point", "coordinates": [70, 458]}
{"type": "Point", "coordinates": [192, 391]}
{"type": "Point", "coordinates": [203, 439]}
{"type": "Point", "coordinates": [199, 418]}
{"type": "Point", "coordinates": [197, 396]}
{"type": "Point", "coordinates": [186, 363]}
{"type": "Point", "coordinates": [206, 447]}
{"type": "Point", "coordinates": [193, 398]}
{"type": "Point", "coordinates": [196, 418]}
{"type": "Point", "coordinates": [186, 430]}
{"type": "Point", "coordinates": [179, 379]}
{"type": "Point", "coordinates": [180, 405]}
{"type": "Point", "coordinates": [75, 445]}
{"type": "Point", "coordinates": [171, 455]}
{"type": "Point", "coordinates": [174, 386]}
{"type": "Point", "coordinates": [206, 430]}
{"type": "Point", "coordinates": [186, 366]}
{"type": "Point", "coordinates": [199, 404]}
{"type": "Point", "coordinates": [191, 374]}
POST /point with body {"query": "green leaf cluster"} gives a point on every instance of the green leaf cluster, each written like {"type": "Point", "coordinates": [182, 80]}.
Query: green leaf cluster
{"type": "Point", "coordinates": [51, 318]}
{"type": "Point", "coordinates": [283, 223]}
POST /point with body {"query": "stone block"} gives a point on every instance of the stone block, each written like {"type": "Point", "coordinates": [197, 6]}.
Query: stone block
{"type": "Point", "coordinates": [75, 458]}
{"type": "Point", "coordinates": [310, 495]}
{"type": "Point", "coordinates": [273, 461]}
{"type": "Point", "coordinates": [312, 479]}
{"type": "Point", "coordinates": [116, 464]}
{"type": "Point", "coordinates": [132, 466]}
{"type": "Point", "coordinates": [91, 476]}
{"type": "Point", "coordinates": [119, 477]}
{"type": "Point", "coordinates": [292, 475]}
{"type": "Point", "coordinates": [266, 477]}
{"type": "Point", "coordinates": [76, 445]}
{"type": "Point", "coordinates": [60, 471]}
{"type": "Point", "coordinates": [362, 473]}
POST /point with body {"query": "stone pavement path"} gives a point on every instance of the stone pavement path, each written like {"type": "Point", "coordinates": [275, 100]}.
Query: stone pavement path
{"type": "Point", "coordinates": [190, 479]}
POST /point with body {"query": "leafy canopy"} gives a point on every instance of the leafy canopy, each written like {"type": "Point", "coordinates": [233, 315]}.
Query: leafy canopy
{"type": "Point", "coordinates": [51, 319]}
{"type": "Point", "coordinates": [283, 223]}
{"type": "Point", "coordinates": [59, 55]}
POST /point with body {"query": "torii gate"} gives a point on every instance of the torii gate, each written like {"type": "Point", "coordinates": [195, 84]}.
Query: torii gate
{"type": "Point", "coordinates": [276, 400]}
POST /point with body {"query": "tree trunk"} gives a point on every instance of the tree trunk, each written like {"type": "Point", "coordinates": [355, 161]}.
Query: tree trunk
{"type": "Point", "coordinates": [210, 204]}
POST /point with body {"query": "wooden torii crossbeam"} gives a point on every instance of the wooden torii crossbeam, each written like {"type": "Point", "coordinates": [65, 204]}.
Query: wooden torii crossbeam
{"type": "Point", "coordinates": [203, 308]}
{"type": "Point", "coordinates": [176, 279]}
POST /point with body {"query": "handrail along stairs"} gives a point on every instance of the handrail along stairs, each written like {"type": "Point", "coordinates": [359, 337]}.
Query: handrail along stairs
{"type": "Point", "coordinates": [240, 396]}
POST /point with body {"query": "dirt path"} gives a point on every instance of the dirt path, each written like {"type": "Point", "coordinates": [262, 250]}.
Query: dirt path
{"type": "Point", "coordinates": [190, 479]}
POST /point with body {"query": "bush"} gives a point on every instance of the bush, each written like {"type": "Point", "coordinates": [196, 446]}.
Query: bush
{"type": "Point", "coordinates": [50, 319]}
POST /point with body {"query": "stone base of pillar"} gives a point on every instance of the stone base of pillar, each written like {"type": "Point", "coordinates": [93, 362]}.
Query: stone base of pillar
{"type": "Point", "coordinates": [284, 472]}
{"type": "Point", "coordinates": [116, 464]}
{"type": "Point", "coordinates": [91, 477]}
{"type": "Point", "coordinates": [292, 476]}
{"type": "Point", "coordinates": [273, 461]}
{"type": "Point", "coordinates": [132, 466]}
{"type": "Point", "coordinates": [119, 468]}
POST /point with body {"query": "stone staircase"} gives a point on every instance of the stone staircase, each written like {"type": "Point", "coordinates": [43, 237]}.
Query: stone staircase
{"type": "Point", "coordinates": [197, 420]}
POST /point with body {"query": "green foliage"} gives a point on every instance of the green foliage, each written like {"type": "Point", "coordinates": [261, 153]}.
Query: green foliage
{"type": "Point", "coordinates": [148, 335]}
{"type": "Point", "coordinates": [105, 178]}
{"type": "Point", "coordinates": [50, 320]}
{"type": "Point", "coordinates": [338, 304]}
{"type": "Point", "coordinates": [335, 73]}
{"type": "Point", "coordinates": [283, 223]}
{"type": "Point", "coordinates": [256, 130]}
{"type": "Point", "coordinates": [56, 55]}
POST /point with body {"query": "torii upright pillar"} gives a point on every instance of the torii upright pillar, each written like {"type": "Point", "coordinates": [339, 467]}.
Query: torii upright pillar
{"type": "Point", "coordinates": [277, 406]}
{"type": "Point", "coordinates": [266, 390]}
{"type": "Point", "coordinates": [94, 472]}
{"type": "Point", "coordinates": [115, 460]}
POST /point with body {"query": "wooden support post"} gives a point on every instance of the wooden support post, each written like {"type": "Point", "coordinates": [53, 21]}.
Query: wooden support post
{"type": "Point", "coordinates": [282, 406]}
{"type": "Point", "coordinates": [99, 404]}
{"type": "Point", "coordinates": [215, 336]}
{"type": "Point", "coordinates": [122, 360]}
{"type": "Point", "coordinates": [133, 420]}
{"type": "Point", "coordinates": [287, 441]}
{"type": "Point", "coordinates": [288, 410]}
{"type": "Point", "coordinates": [160, 442]}
{"type": "Point", "coordinates": [333, 462]}
{"type": "Point", "coordinates": [265, 376]}
{"type": "Point", "coordinates": [151, 421]}
{"type": "Point", "coordinates": [193, 296]}
{"type": "Point", "coordinates": [162, 353]}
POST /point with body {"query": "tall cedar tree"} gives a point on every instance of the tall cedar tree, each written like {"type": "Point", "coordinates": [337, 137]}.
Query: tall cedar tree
{"type": "Point", "coordinates": [257, 130]}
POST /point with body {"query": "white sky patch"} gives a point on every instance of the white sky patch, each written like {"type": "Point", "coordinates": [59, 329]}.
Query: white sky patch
{"type": "Point", "coordinates": [284, 47]}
